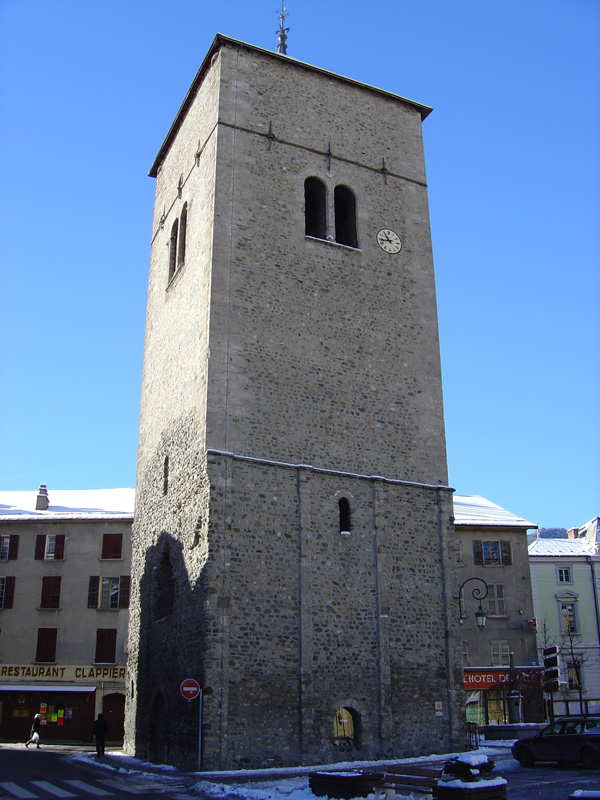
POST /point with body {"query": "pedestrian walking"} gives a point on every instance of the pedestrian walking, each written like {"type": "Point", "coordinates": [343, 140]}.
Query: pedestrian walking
{"type": "Point", "coordinates": [100, 731]}
{"type": "Point", "coordinates": [34, 736]}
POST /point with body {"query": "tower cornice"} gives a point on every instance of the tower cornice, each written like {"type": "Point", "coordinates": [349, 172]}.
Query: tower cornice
{"type": "Point", "coordinates": [221, 41]}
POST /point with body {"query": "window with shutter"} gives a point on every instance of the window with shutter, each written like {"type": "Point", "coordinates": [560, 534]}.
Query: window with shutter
{"type": "Point", "coordinates": [93, 590]}
{"type": "Point", "coordinates": [496, 607]}
{"type": "Point", "coordinates": [7, 591]}
{"type": "Point", "coordinates": [112, 544]}
{"type": "Point", "coordinates": [106, 646]}
{"type": "Point", "coordinates": [50, 591]}
{"type": "Point", "coordinates": [46, 645]}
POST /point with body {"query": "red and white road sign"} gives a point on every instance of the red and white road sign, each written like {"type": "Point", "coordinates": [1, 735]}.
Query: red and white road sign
{"type": "Point", "coordinates": [190, 689]}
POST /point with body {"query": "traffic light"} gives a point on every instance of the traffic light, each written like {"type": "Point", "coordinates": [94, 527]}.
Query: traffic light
{"type": "Point", "coordinates": [551, 668]}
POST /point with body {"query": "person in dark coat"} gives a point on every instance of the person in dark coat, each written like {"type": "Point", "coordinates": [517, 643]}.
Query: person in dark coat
{"type": "Point", "coordinates": [100, 731]}
{"type": "Point", "coordinates": [34, 736]}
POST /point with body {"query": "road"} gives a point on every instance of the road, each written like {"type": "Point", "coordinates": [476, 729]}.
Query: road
{"type": "Point", "coordinates": [51, 773]}
{"type": "Point", "coordinates": [46, 773]}
{"type": "Point", "coordinates": [547, 781]}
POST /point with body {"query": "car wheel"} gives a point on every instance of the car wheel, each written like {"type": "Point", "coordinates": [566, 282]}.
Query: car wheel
{"type": "Point", "coordinates": [589, 758]}
{"type": "Point", "coordinates": [524, 757]}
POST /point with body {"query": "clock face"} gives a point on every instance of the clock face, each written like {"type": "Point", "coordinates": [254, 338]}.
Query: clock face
{"type": "Point", "coordinates": [389, 241]}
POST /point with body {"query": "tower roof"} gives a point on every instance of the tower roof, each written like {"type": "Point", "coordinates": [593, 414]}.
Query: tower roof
{"type": "Point", "coordinates": [224, 41]}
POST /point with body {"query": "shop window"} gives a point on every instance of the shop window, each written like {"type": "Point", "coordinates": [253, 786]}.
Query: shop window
{"type": "Point", "coordinates": [344, 509]}
{"type": "Point", "coordinates": [315, 208]}
{"type": "Point", "coordinates": [345, 216]}
{"type": "Point", "coordinates": [108, 593]}
{"type": "Point", "coordinates": [492, 554]}
{"type": "Point", "coordinates": [50, 591]}
{"type": "Point", "coordinates": [496, 607]}
{"type": "Point", "coordinates": [112, 545]}
{"type": "Point", "coordinates": [46, 645]}
{"type": "Point", "coordinates": [106, 646]}
{"type": "Point", "coordinates": [7, 591]}
{"type": "Point", "coordinates": [500, 653]}
{"type": "Point", "coordinates": [9, 547]}
{"type": "Point", "coordinates": [346, 727]}
{"type": "Point", "coordinates": [564, 575]}
{"type": "Point", "coordinates": [50, 548]}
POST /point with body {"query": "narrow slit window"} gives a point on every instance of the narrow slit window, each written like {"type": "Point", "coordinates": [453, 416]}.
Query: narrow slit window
{"type": "Point", "coordinates": [182, 235]}
{"type": "Point", "coordinates": [345, 216]}
{"type": "Point", "coordinates": [315, 208]}
{"type": "Point", "coordinates": [173, 249]}
{"type": "Point", "coordinates": [344, 507]}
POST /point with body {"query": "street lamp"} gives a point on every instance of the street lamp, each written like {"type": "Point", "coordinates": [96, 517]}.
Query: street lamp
{"type": "Point", "coordinates": [479, 594]}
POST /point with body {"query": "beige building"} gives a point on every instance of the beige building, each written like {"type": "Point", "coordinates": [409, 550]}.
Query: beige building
{"type": "Point", "coordinates": [494, 575]}
{"type": "Point", "coordinates": [293, 546]}
{"type": "Point", "coordinates": [65, 561]}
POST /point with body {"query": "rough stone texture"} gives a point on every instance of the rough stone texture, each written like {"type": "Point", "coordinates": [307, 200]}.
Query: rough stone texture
{"type": "Point", "coordinates": [268, 352]}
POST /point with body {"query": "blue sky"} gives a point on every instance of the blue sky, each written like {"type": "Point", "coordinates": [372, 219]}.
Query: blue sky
{"type": "Point", "coordinates": [89, 90]}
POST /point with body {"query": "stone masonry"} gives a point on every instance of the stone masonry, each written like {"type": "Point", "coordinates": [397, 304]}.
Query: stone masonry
{"type": "Point", "coordinates": [286, 378]}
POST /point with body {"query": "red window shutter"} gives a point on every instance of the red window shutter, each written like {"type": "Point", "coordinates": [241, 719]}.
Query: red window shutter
{"type": "Point", "coordinates": [40, 546]}
{"type": "Point", "coordinates": [46, 645]}
{"type": "Point", "coordinates": [124, 584]}
{"type": "Point", "coordinates": [477, 552]}
{"type": "Point", "coordinates": [50, 591]}
{"type": "Point", "coordinates": [9, 591]}
{"type": "Point", "coordinates": [93, 589]}
{"type": "Point", "coordinates": [59, 548]}
{"type": "Point", "coordinates": [106, 645]}
{"type": "Point", "coordinates": [112, 545]}
{"type": "Point", "coordinates": [13, 546]}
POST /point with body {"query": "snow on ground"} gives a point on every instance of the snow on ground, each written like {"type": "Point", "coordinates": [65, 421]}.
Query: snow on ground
{"type": "Point", "coordinates": [289, 783]}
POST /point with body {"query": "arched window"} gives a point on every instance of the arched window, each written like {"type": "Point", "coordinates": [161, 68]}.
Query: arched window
{"type": "Point", "coordinates": [182, 232]}
{"type": "Point", "coordinates": [315, 208]}
{"type": "Point", "coordinates": [173, 249]}
{"type": "Point", "coordinates": [344, 506]}
{"type": "Point", "coordinates": [345, 216]}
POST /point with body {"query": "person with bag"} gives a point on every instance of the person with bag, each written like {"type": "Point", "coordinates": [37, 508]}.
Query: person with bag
{"type": "Point", "coordinates": [34, 736]}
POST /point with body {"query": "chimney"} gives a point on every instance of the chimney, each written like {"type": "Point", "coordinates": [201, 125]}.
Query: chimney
{"type": "Point", "coordinates": [42, 502]}
{"type": "Point", "coordinates": [573, 533]}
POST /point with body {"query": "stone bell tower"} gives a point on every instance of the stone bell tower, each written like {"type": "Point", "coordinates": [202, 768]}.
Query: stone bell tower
{"type": "Point", "coordinates": [293, 541]}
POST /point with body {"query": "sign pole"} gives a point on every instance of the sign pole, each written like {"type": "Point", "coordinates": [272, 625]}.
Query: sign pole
{"type": "Point", "coordinates": [200, 731]}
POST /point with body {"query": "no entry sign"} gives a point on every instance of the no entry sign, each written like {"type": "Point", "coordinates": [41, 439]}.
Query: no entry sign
{"type": "Point", "coordinates": [190, 689]}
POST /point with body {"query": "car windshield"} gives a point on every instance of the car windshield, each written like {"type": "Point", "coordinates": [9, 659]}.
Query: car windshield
{"type": "Point", "coordinates": [553, 729]}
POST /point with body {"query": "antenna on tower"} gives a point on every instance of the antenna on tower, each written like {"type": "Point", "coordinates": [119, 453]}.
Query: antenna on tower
{"type": "Point", "coordinates": [282, 32]}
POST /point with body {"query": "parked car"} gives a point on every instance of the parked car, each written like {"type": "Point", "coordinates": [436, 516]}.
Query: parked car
{"type": "Point", "coordinates": [569, 739]}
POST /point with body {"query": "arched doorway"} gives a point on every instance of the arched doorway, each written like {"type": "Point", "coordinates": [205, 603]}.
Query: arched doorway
{"type": "Point", "coordinates": [113, 710]}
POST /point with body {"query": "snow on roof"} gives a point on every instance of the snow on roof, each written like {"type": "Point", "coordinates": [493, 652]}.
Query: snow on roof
{"type": "Point", "coordinates": [69, 504]}
{"type": "Point", "coordinates": [561, 547]}
{"type": "Point", "coordinates": [476, 510]}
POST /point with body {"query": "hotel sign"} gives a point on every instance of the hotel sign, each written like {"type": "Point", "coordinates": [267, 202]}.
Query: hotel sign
{"type": "Point", "coordinates": [492, 677]}
{"type": "Point", "coordinates": [38, 672]}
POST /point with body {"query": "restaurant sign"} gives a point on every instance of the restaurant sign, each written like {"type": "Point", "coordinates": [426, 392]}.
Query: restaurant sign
{"type": "Point", "coordinates": [38, 672]}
